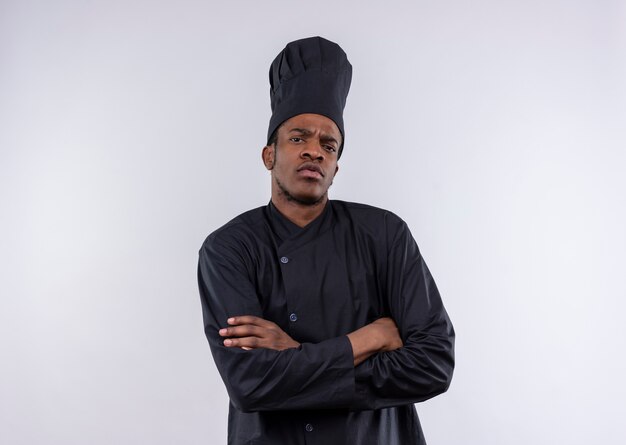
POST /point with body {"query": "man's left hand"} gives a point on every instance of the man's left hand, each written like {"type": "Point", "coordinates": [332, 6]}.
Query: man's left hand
{"type": "Point", "coordinates": [250, 332]}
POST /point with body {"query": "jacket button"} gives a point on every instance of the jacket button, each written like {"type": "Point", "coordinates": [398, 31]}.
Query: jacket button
{"type": "Point", "coordinates": [284, 260]}
{"type": "Point", "coordinates": [308, 427]}
{"type": "Point", "coordinates": [293, 317]}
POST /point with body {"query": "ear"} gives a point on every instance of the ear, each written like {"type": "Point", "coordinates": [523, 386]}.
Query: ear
{"type": "Point", "coordinates": [268, 156]}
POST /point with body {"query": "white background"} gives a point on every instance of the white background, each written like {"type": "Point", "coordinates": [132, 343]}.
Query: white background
{"type": "Point", "coordinates": [129, 130]}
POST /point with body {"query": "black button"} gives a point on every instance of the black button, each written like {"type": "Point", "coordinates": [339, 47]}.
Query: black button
{"type": "Point", "coordinates": [308, 427]}
{"type": "Point", "coordinates": [284, 260]}
{"type": "Point", "coordinates": [293, 317]}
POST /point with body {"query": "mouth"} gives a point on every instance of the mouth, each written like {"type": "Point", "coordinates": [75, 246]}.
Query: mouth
{"type": "Point", "coordinates": [310, 170]}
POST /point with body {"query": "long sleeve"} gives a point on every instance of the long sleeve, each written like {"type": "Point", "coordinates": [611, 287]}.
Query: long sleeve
{"type": "Point", "coordinates": [352, 265]}
{"type": "Point", "coordinates": [423, 367]}
{"type": "Point", "coordinates": [315, 375]}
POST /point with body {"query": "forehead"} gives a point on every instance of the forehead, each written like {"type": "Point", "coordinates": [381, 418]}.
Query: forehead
{"type": "Point", "coordinates": [314, 123]}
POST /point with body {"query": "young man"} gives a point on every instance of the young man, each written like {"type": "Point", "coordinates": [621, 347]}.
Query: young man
{"type": "Point", "coordinates": [323, 319]}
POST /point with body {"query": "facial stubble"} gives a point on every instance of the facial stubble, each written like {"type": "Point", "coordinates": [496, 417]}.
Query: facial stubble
{"type": "Point", "coordinates": [291, 198]}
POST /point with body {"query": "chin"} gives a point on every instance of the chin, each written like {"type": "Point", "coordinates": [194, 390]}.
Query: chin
{"type": "Point", "coordinates": [307, 197]}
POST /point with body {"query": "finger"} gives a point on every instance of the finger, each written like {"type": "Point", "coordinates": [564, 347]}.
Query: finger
{"type": "Point", "coordinates": [249, 319]}
{"type": "Point", "coordinates": [246, 330]}
{"type": "Point", "coordinates": [243, 342]}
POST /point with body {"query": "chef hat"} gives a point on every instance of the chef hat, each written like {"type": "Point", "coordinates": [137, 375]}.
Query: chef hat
{"type": "Point", "coordinates": [310, 75]}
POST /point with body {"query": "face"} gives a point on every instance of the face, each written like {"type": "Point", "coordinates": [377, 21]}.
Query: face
{"type": "Point", "coordinates": [303, 161]}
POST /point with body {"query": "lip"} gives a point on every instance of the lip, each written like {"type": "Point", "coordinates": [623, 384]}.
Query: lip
{"type": "Point", "coordinates": [310, 170]}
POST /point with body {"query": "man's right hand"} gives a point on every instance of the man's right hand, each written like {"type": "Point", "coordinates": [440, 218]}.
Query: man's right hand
{"type": "Point", "coordinates": [379, 336]}
{"type": "Point", "coordinates": [250, 332]}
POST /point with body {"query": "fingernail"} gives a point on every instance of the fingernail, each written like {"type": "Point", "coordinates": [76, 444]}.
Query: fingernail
{"type": "Point", "coordinates": [231, 320]}
{"type": "Point", "coordinates": [223, 331]}
{"type": "Point", "coordinates": [228, 342]}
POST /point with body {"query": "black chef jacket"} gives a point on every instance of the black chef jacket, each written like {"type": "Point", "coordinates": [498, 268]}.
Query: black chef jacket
{"type": "Point", "coordinates": [348, 267]}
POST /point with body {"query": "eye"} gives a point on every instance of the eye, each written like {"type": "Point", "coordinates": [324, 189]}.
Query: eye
{"type": "Point", "coordinates": [330, 148]}
{"type": "Point", "coordinates": [296, 140]}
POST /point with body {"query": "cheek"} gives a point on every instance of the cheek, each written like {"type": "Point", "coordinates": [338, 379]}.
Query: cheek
{"type": "Point", "coordinates": [334, 170]}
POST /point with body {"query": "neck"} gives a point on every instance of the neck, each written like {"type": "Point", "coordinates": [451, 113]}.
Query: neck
{"type": "Point", "coordinates": [297, 213]}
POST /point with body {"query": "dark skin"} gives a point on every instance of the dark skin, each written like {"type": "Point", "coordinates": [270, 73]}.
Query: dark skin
{"type": "Point", "coordinates": [305, 143]}
{"type": "Point", "coordinates": [303, 164]}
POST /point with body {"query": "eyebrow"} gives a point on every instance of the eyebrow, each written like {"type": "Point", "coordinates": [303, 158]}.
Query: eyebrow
{"type": "Point", "coordinates": [307, 132]}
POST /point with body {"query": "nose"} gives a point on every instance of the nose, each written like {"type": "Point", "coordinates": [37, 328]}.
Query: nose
{"type": "Point", "coordinates": [313, 150]}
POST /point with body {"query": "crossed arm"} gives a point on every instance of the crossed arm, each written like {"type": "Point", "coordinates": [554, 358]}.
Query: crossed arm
{"type": "Point", "coordinates": [251, 332]}
{"type": "Point", "coordinates": [389, 362]}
